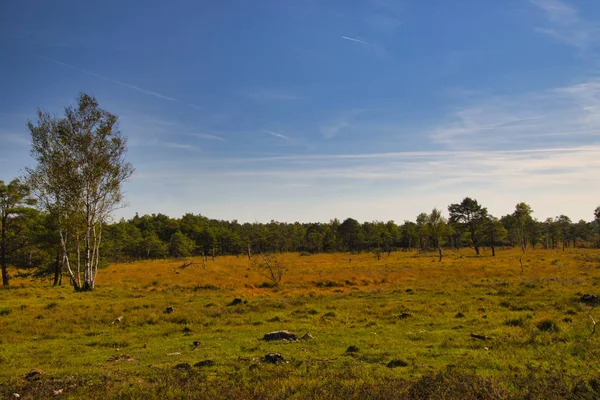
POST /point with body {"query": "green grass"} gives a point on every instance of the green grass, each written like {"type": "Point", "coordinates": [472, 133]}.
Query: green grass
{"type": "Point", "coordinates": [409, 317]}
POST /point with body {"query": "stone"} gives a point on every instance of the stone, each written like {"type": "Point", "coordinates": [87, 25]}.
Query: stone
{"type": "Point", "coordinates": [352, 349]}
{"type": "Point", "coordinates": [236, 302]}
{"type": "Point", "coordinates": [280, 335]}
{"type": "Point", "coordinates": [590, 299]}
{"type": "Point", "coordinates": [397, 363]}
{"type": "Point", "coordinates": [122, 357]}
{"type": "Point", "coordinates": [204, 363]}
{"type": "Point", "coordinates": [274, 358]}
{"type": "Point", "coordinates": [34, 374]}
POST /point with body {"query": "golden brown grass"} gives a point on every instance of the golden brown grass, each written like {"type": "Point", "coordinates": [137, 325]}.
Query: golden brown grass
{"type": "Point", "coordinates": [341, 302]}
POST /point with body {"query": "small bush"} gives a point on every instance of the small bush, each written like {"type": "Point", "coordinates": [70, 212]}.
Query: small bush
{"type": "Point", "coordinates": [547, 325]}
{"type": "Point", "coordinates": [5, 311]}
{"type": "Point", "coordinates": [204, 363]}
{"type": "Point", "coordinates": [397, 363]}
{"type": "Point", "coordinates": [352, 349]}
{"type": "Point", "coordinates": [179, 320]}
{"type": "Point", "coordinates": [327, 284]}
{"type": "Point", "coordinates": [267, 285]}
{"type": "Point", "coordinates": [206, 287]}
{"type": "Point", "coordinates": [514, 322]}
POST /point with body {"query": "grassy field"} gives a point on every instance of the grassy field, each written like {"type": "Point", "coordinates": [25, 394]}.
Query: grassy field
{"type": "Point", "coordinates": [408, 317]}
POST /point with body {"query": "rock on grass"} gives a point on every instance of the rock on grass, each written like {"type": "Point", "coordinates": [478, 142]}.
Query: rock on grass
{"type": "Point", "coordinates": [273, 358]}
{"type": "Point", "coordinates": [280, 335]}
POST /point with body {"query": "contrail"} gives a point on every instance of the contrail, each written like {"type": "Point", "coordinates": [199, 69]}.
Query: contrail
{"type": "Point", "coordinates": [206, 136]}
{"type": "Point", "coordinates": [354, 40]}
{"type": "Point", "coordinates": [279, 135]}
{"type": "Point", "coordinates": [127, 85]}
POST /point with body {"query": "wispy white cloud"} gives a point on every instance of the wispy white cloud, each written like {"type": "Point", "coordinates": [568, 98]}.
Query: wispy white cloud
{"type": "Point", "coordinates": [498, 178]}
{"type": "Point", "coordinates": [158, 142]}
{"type": "Point", "coordinates": [117, 82]}
{"type": "Point", "coordinates": [206, 136]}
{"type": "Point", "coordinates": [278, 135]}
{"type": "Point", "coordinates": [566, 24]}
{"type": "Point", "coordinates": [355, 40]}
{"type": "Point", "coordinates": [179, 146]}
{"type": "Point", "coordinates": [510, 171]}
{"type": "Point", "coordinates": [558, 11]}
{"type": "Point", "coordinates": [549, 118]}
{"type": "Point", "coordinates": [334, 127]}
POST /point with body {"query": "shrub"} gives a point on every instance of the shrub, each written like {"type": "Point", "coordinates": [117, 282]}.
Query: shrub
{"type": "Point", "coordinates": [397, 363]}
{"type": "Point", "coordinates": [514, 322]}
{"type": "Point", "coordinates": [352, 349]}
{"type": "Point", "coordinates": [547, 325]}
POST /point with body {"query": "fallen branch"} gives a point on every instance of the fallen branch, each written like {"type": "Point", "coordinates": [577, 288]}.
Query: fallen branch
{"type": "Point", "coordinates": [189, 264]}
{"type": "Point", "coordinates": [593, 322]}
{"type": "Point", "coordinates": [482, 337]}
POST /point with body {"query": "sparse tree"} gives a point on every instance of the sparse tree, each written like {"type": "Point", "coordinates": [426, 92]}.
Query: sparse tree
{"type": "Point", "coordinates": [437, 228]}
{"type": "Point", "coordinates": [521, 218]}
{"type": "Point", "coordinates": [494, 232]}
{"type": "Point", "coordinates": [469, 216]}
{"type": "Point", "coordinates": [564, 224]}
{"type": "Point", "coordinates": [421, 229]}
{"type": "Point", "coordinates": [269, 266]}
{"type": "Point", "coordinates": [408, 234]}
{"type": "Point", "coordinates": [351, 235]}
{"type": "Point", "coordinates": [79, 170]}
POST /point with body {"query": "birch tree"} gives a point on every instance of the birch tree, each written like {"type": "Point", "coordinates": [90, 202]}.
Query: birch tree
{"type": "Point", "coordinates": [78, 177]}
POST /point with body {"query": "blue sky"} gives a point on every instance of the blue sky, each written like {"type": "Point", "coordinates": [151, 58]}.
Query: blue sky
{"type": "Point", "coordinates": [312, 109]}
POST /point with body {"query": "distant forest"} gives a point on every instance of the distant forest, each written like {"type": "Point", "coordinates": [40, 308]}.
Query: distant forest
{"type": "Point", "coordinates": [158, 236]}
{"type": "Point", "coordinates": [36, 245]}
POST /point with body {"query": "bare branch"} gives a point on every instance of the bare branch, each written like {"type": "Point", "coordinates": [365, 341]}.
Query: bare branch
{"type": "Point", "coordinates": [593, 321]}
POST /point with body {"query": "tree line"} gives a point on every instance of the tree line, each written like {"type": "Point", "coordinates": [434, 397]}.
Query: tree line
{"type": "Point", "coordinates": [54, 219]}
{"type": "Point", "coordinates": [29, 238]}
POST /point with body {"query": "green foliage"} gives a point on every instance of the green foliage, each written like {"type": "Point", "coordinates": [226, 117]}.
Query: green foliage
{"type": "Point", "coordinates": [79, 169]}
{"type": "Point", "coordinates": [15, 222]}
{"type": "Point", "coordinates": [469, 216]}
{"type": "Point", "coordinates": [180, 245]}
